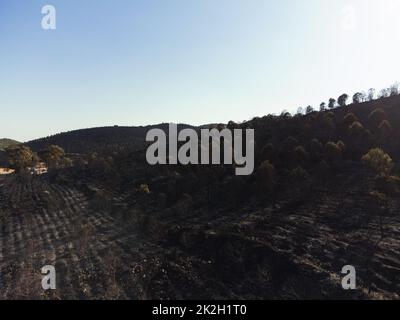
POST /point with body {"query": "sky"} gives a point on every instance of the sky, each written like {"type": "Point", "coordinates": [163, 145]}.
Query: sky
{"type": "Point", "coordinates": [139, 62]}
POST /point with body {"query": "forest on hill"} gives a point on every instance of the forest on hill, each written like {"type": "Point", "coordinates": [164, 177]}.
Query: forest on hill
{"type": "Point", "coordinates": [324, 194]}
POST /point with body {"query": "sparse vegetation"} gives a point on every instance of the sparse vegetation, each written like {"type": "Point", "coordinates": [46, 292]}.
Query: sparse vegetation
{"type": "Point", "coordinates": [322, 179]}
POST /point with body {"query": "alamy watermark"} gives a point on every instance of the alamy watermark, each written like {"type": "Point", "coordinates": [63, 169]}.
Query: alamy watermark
{"type": "Point", "coordinates": [349, 280]}
{"type": "Point", "coordinates": [206, 151]}
{"type": "Point", "coordinates": [49, 19]}
{"type": "Point", "coordinates": [49, 278]}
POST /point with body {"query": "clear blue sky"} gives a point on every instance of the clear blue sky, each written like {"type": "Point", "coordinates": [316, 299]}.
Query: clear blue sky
{"type": "Point", "coordinates": [137, 62]}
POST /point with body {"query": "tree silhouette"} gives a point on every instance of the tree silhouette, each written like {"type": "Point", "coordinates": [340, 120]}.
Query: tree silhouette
{"type": "Point", "coordinates": [332, 103]}
{"type": "Point", "coordinates": [357, 98]}
{"type": "Point", "coordinates": [266, 176]}
{"type": "Point", "coordinates": [371, 94]}
{"type": "Point", "coordinates": [342, 100]}
{"type": "Point", "coordinates": [309, 110]}
{"type": "Point", "coordinates": [394, 90]}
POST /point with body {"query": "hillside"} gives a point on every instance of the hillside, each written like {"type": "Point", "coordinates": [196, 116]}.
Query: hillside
{"type": "Point", "coordinates": [5, 143]}
{"type": "Point", "coordinates": [99, 140]}
{"type": "Point", "coordinates": [268, 129]}
{"type": "Point", "coordinates": [322, 196]}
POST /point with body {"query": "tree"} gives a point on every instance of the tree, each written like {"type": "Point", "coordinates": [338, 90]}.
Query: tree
{"type": "Point", "coordinates": [285, 114]}
{"type": "Point", "coordinates": [394, 90]}
{"type": "Point", "coordinates": [380, 205]}
{"type": "Point", "coordinates": [21, 157]}
{"type": "Point", "coordinates": [300, 110]}
{"type": "Point", "coordinates": [268, 152]}
{"type": "Point", "coordinates": [316, 148]}
{"type": "Point", "coordinates": [322, 106]}
{"type": "Point", "coordinates": [333, 151]}
{"type": "Point", "coordinates": [349, 118]}
{"type": "Point", "coordinates": [371, 94]}
{"type": "Point", "coordinates": [53, 156]}
{"type": "Point", "coordinates": [357, 134]}
{"type": "Point", "coordinates": [357, 98]}
{"type": "Point", "coordinates": [309, 110]}
{"type": "Point", "coordinates": [384, 93]}
{"type": "Point", "coordinates": [385, 129]}
{"type": "Point", "coordinates": [232, 125]}
{"type": "Point", "coordinates": [332, 103]}
{"type": "Point", "coordinates": [356, 128]}
{"type": "Point", "coordinates": [266, 176]}
{"type": "Point", "coordinates": [342, 100]}
{"type": "Point", "coordinates": [288, 145]}
{"type": "Point", "coordinates": [379, 161]}
{"type": "Point", "coordinates": [299, 176]}
{"type": "Point", "coordinates": [377, 116]}
{"type": "Point", "coordinates": [340, 144]}
{"type": "Point", "coordinates": [301, 154]}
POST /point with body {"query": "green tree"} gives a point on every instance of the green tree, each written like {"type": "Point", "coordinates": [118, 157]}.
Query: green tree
{"type": "Point", "coordinates": [21, 157]}
{"type": "Point", "coordinates": [53, 156]}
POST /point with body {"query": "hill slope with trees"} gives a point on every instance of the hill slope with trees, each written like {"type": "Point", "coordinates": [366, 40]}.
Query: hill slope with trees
{"type": "Point", "coordinates": [324, 194]}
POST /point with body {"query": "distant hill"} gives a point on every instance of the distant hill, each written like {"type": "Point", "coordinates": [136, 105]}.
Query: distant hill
{"type": "Point", "coordinates": [99, 140]}
{"type": "Point", "coordinates": [5, 143]}
{"type": "Point", "coordinates": [324, 126]}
